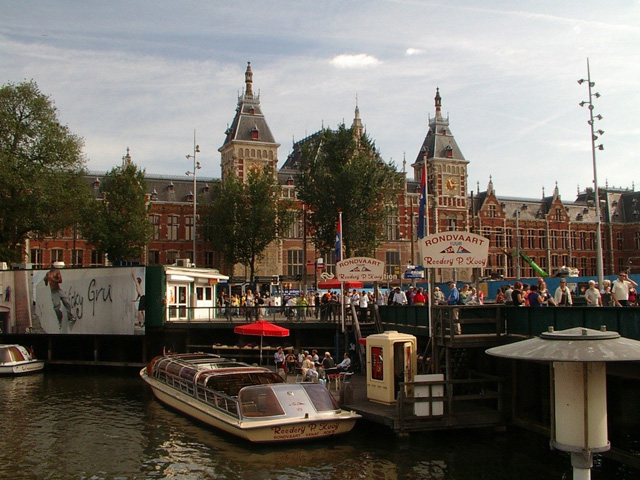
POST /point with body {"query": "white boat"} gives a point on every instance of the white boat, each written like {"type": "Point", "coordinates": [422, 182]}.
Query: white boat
{"type": "Point", "coordinates": [16, 360]}
{"type": "Point", "coordinates": [250, 402]}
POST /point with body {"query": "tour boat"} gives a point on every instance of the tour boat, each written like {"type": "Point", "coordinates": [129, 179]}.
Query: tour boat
{"type": "Point", "coordinates": [16, 360]}
{"type": "Point", "coordinates": [250, 402]}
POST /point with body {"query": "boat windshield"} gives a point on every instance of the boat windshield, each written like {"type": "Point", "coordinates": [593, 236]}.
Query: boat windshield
{"type": "Point", "coordinates": [259, 401]}
{"type": "Point", "coordinates": [320, 397]}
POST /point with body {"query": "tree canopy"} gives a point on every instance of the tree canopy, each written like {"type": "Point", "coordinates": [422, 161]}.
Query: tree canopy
{"type": "Point", "coordinates": [42, 187]}
{"type": "Point", "coordinates": [118, 224]}
{"type": "Point", "coordinates": [244, 218]}
{"type": "Point", "coordinates": [342, 173]}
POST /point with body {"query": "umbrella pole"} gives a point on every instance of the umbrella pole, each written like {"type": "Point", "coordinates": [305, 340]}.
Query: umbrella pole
{"type": "Point", "coordinates": [260, 350]}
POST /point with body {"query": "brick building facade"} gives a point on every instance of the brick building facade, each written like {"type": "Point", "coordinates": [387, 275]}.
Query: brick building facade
{"type": "Point", "coordinates": [552, 232]}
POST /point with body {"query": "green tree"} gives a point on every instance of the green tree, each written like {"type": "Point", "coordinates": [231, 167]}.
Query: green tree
{"type": "Point", "coordinates": [342, 173]}
{"type": "Point", "coordinates": [244, 218]}
{"type": "Point", "coordinates": [118, 224]}
{"type": "Point", "coordinates": [42, 188]}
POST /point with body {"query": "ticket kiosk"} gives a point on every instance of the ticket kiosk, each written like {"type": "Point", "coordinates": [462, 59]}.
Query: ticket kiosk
{"type": "Point", "coordinates": [391, 359]}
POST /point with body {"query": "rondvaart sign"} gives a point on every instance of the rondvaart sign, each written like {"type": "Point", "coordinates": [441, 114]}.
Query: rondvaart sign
{"type": "Point", "coordinates": [454, 250]}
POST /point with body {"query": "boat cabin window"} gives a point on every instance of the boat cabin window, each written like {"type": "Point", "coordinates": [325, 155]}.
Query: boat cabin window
{"type": "Point", "coordinates": [258, 401]}
{"type": "Point", "coordinates": [230, 384]}
{"type": "Point", "coordinates": [11, 354]}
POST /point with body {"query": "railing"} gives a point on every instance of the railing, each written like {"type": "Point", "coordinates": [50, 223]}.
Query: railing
{"type": "Point", "coordinates": [213, 398]}
{"type": "Point", "coordinates": [281, 314]}
{"type": "Point", "coordinates": [479, 397]}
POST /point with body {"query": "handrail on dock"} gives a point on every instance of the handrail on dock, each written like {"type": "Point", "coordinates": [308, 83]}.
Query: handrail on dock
{"type": "Point", "coordinates": [470, 403]}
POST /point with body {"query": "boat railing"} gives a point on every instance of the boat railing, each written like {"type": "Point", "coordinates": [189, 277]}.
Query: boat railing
{"type": "Point", "coordinates": [213, 398]}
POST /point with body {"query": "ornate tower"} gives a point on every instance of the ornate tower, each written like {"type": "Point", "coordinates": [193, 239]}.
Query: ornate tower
{"type": "Point", "coordinates": [248, 143]}
{"type": "Point", "coordinates": [446, 175]}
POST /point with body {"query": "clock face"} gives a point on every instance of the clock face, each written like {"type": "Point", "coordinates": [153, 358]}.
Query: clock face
{"type": "Point", "coordinates": [451, 185]}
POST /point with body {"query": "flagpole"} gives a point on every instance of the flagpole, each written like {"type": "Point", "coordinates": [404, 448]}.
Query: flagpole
{"type": "Point", "coordinates": [426, 233]}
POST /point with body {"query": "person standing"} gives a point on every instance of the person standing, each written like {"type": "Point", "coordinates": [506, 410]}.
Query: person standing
{"type": "Point", "coordinates": [419, 299]}
{"type": "Point", "coordinates": [605, 293]}
{"type": "Point", "coordinates": [562, 295]}
{"type": "Point", "coordinates": [592, 295]}
{"type": "Point", "coordinates": [517, 298]}
{"type": "Point", "coordinates": [363, 306]}
{"type": "Point", "coordinates": [454, 294]}
{"type": "Point", "coordinates": [249, 303]}
{"type": "Point", "coordinates": [399, 297]}
{"type": "Point", "coordinates": [620, 289]}
{"type": "Point", "coordinates": [535, 298]}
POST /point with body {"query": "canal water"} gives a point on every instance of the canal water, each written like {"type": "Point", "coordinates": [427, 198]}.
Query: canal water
{"type": "Point", "coordinates": [107, 425]}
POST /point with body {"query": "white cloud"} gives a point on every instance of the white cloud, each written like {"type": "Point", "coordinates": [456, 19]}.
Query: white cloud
{"type": "Point", "coordinates": [413, 51]}
{"type": "Point", "coordinates": [354, 61]}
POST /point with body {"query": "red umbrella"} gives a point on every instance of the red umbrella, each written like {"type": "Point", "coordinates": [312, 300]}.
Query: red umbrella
{"type": "Point", "coordinates": [263, 329]}
{"type": "Point", "coordinates": [334, 284]}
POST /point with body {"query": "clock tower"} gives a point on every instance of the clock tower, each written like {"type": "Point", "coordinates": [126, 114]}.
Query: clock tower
{"type": "Point", "coordinates": [248, 143]}
{"type": "Point", "coordinates": [446, 175]}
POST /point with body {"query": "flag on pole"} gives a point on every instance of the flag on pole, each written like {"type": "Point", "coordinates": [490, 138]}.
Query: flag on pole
{"type": "Point", "coordinates": [423, 203]}
{"type": "Point", "coordinates": [339, 238]}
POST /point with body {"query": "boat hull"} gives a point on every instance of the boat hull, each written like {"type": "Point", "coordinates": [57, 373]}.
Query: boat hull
{"type": "Point", "coordinates": [254, 430]}
{"type": "Point", "coordinates": [21, 368]}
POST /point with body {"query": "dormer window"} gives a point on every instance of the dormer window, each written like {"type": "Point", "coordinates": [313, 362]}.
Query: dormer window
{"type": "Point", "coordinates": [190, 197]}
{"type": "Point", "coordinates": [154, 194]}
{"type": "Point", "coordinates": [255, 133]}
{"type": "Point", "coordinates": [206, 188]}
{"type": "Point", "coordinates": [252, 111]}
{"type": "Point", "coordinates": [579, 216]}
{"type": "Point", "coordinates": [170, 187]}
{"type": "Point", "coordinates": [448, 151]}
{"type": "Point", "coordinates": [96, 184]}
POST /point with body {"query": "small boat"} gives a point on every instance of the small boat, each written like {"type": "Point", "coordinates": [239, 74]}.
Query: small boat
{"type": "Point", "coordinates": [16, 360]}
{"type": "Point", "coordinates": [250, 402]}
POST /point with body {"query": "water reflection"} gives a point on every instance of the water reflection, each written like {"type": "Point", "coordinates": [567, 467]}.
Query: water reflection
{"type": "Point", "coordinates": [108, 426]}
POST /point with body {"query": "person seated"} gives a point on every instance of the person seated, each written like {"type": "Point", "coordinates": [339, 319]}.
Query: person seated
{"type": "Point", "coordinates": [307, 364]}
{"type": "Point", "coordinates": [291, 362]}
{"type": "Point", "coordinates": [345, 364]}
{"type": "Point", "coordinates": [312, 375]}
{"type": "Point", "coordinates": [342, 367]}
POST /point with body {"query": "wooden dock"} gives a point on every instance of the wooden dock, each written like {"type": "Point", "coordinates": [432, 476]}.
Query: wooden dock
{"type": "Point", "coordinates": [471, 403]}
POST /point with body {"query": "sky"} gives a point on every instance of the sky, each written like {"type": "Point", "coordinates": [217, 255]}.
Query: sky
{"type": "Point", "coordinates": [145, 75]}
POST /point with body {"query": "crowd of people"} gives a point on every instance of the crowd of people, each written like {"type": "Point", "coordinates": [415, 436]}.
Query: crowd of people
{"type": "Point", "coordinates": [619, 293]}
{"type": "Point", "coordinates": [326, 306]}
{"type": "Point", "coordinates": [309, 365]}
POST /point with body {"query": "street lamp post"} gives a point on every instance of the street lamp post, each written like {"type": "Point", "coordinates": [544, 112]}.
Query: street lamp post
{"type": "Point", "coordinates": [196, 167]}
{"type": "Point", "coordinates": [594, 137]}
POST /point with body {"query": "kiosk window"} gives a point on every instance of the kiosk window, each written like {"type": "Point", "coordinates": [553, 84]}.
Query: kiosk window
{"type": "Point", "coordinates": [377, 363]}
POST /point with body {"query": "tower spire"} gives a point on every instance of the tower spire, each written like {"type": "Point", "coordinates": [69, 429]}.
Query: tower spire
{"type": "Point", "coordinates": [438, 100]}
{"type": "Point", "coordinates": [248, 81]}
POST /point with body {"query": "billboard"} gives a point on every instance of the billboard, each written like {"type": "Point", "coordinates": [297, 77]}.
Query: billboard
{"type": "Point", "coordinates": [454, 250]}
{"type": "Point", "coordinates": [88, 301]}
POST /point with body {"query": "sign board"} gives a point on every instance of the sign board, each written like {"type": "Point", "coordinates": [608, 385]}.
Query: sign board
{"type": "Point", "coordinates": [360, 269]}
{"type": "Point", "coordinates": [412, 274]}
{"type": "Point", "coordinates": [454, 250]}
